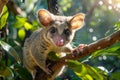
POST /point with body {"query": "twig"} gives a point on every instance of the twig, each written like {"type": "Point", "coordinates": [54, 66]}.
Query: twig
{"type": "Point", "coordinates": [2, 3]}
{"type": "Point", "coordinates": [14, 8]}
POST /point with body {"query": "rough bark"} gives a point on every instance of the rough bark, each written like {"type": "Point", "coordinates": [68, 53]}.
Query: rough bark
{"type": "Point", "coordinates": [53, 6]}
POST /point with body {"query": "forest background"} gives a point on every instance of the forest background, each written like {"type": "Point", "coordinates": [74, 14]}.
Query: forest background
{"type": "Point", "coordinates": [18, 19]}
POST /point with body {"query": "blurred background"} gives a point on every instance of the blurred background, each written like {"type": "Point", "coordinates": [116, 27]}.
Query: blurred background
{"type": "Point", "coordinates": [102, 19]}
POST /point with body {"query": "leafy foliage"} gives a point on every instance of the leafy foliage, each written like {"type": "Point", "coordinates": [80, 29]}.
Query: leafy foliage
{"type": "Point", "coordinates": [10, 50]}
{"type": "Point", "coordinates": [117, 25]}
{"type": "Point", "coordinates": [115, 76]}
{"type": "Point", "coordinates": [22, 72]}
{"type": "Point", "coordinates": [102, 19]}
{"type": "Point", "coordinates": [111, 51]}
{"type": "Point", "coordinates": [3, 17]}
{"type": "Point", "coordinates": [6, 73]}
{"type": "Point", "coordinates": [20, 22]}
{"type": "Point", "coordinates": [85, 72]}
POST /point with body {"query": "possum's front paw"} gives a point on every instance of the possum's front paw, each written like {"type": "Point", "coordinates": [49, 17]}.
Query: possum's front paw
{"type": "Point", "coordinates": [79, 49]}
{"type": "Point", "coordinates": [48, 70]}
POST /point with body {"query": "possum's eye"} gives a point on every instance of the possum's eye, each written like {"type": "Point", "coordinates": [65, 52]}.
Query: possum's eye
{"type": "Point", "coordinates": [67, 32]}
{"type": "Point", "coordinates": [53, 30]}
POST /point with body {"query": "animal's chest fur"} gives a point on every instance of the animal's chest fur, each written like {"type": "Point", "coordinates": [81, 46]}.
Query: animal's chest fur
{"type": "Point", "coordinates": [39, 46]}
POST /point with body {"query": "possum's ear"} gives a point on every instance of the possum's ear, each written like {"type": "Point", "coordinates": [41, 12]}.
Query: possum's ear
{"type": "Point", "coordinates": [77, 21]}
{"type": "Point", "coordinates": [44, 17]}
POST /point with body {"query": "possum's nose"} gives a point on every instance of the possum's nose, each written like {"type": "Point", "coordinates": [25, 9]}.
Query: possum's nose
{"type": "Point", "coordinates": [59, 42]}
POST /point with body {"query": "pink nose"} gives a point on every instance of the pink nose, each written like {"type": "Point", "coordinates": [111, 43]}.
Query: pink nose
{"type": "Point", "coordinates": [60, 42]}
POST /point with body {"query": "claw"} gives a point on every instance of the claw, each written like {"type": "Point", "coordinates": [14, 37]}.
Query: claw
{"type": "Point", "coordinates": [78, 50]}
{"type": "Point", "coordinates": [49, 72]}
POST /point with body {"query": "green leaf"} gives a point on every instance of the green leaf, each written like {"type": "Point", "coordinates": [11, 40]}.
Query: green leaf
{"type": "Point", "coordinates": [85, 72]}
{"type": "Point", "coordinates": [53, 56]}
{"type": "Point", "coordinates": [35, 23]}
{"type": "Point", "coordinates": [28, 26]}
{"type": "Point", "coordinates": [94, 73]}
{"type": "Point", "coordinates": [10, 50]}
{"type": "Point", "coordinates": [21, 34]}
{"type": "Point", "coordinates": [7, 73]}
{"type": "Point", "coordinates": [117, 25]}
{"type": "Point", "coordinates": [111, 51]}
{"type": "Point", "coordinates": [20, 22]}
{"type": "Point", "coordinates": [87, 77]}
{"type": "Point", "coordinates": [19, 18]}
{"type": "Point", "coordinates": [115, 76]}
{"type": "Point", "coordinates": [3, 17]}
{"type": "Point", "coordinates": [22, 72]}
{"type": "Point", "coordinates": [77, 67]}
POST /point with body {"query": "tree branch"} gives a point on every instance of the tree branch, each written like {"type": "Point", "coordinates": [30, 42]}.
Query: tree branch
{"type": "Point", "coordinates": [53, 6]}
{"type": "Point", "coordinates": [2, 3]}
{"type": "Point", "coordinates": [14, 8]}
{"type": "Point", "coordinates": [100, 44]}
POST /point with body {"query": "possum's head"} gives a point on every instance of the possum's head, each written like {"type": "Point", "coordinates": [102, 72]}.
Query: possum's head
{"type": "Point", "coordinates": [60, 30]}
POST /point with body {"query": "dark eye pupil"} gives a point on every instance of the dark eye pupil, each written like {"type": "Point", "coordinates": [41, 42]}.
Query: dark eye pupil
{"type": "Point", "coordinates": [67, 32]}
{"type": "Point", "coordinates": [53, 30]}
